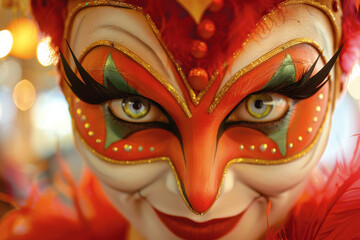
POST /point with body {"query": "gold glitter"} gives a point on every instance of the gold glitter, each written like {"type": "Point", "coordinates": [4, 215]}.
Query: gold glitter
{"type": "Point", "coordinates": [315, 119]}
{"type": "Point", "coordinates": [73, 10]}
{"type": "Point", "coordinates": [98, 140]}
{"type": "Point", "coordinates": [263, 147]}
{"type": "Point", "coordinates": [300, 138]}
{"type": "Point", "coordinates": [291, 145]}
{"type": "Point", "coordinates": [252, 147]}
{"type": "Point", "coordinates": [321, 96]}
{"type": "Point", "coordinates": [91, 133]}
{"type": "Point", "coordinates": [145, 65]}
{"type": "Point", "coordinates": [127, 147]}
{"type": "Point", "coordinates": [273, 150]}
{"type": "Point", "coordinates": [78, 111]}
{"type": "Point", "coordinates": [77, 100]}
{"type": "Point", "coordinates": [115, 149]}
{"type": "Point", "coordinates": [241, 147]}
{"type": "Point", "coordinates": [83, 118]}
{"type": "Point", "coordinates": [318, 109]}
{"type": "Point", "coordinates": [256, 63]}
{"type": "Point", "coordinates": [87, 125]}
{"type": "Point", "coordinates": [336, 21]}
{"type": "Point", "coordinates": [309, 130]}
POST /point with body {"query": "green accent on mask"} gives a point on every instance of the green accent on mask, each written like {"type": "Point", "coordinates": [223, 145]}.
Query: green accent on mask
{"type": "Point", "coordinates": [279, 137]}
{"type": "Point", "coordinates": [285, 75]}
{"type": "Point", "coordinates": [111, 74]}
{"type": "Point", "coordinates": [114, 130]}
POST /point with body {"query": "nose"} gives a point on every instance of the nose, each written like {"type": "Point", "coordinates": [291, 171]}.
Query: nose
{"type": "Point", "coordinates": [202, 176]}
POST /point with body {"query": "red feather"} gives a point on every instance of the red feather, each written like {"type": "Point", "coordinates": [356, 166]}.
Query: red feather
{"type": "Point", "coordinates": [87, 214]}
{"type": "Point", "coordinates": [331, 213]}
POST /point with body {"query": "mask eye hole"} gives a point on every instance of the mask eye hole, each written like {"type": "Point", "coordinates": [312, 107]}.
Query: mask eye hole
{"type": "Point", "coordinates": [136, 109]}
{"type": "Point", "coordinates": [263, 107]}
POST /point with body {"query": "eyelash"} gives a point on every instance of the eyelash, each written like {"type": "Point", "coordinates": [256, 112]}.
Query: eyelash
{"type": "Point", "coordinates": [92, 92]}
{"type": "Point", "coordinates": [306, 86]}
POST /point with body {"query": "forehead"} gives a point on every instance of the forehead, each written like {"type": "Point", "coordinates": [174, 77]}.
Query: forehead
{"type": "Point", "coordinates": [242, 41]}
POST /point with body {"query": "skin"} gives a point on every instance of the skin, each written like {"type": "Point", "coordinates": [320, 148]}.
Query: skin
{"type": "Point", "coordinates": [136, 189]}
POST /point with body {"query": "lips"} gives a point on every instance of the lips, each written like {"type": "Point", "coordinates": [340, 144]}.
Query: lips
{"type": "Point", "coordinates": [188, 229]}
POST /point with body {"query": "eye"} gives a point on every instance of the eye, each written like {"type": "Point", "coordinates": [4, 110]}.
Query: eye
{"type": "Point", "coordinates": [262, 107]}
{"type": "Point", "coordinates": [136, 109]}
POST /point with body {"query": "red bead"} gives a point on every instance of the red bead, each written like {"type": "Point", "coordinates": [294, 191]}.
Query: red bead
{"type": "Point", "coordinates": [198, 79]}
{"type": "Point", "coordinates": [206, 29]}
{"type": "Point", "coordinates": [335, 6]}
{"type": "Point", "coordinates": [198, 49]}
{"type": "Point", "coordinates": [216, 5]}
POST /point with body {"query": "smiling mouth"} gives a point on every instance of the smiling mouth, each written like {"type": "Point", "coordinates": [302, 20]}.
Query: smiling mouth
{"type": "Point", "coordinates": [188, 229]}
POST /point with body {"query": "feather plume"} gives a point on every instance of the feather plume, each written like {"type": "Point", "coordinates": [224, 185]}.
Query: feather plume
{"type": "Point", "coordinates": [333, 212]}
{"type": "Point", "coordinates": [86, 215]}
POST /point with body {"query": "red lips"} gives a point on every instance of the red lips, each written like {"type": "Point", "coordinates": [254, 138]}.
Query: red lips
{"type": "Point", "coordinates": [188, 229]}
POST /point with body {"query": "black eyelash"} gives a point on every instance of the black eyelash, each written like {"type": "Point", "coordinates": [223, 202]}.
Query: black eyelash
{"type": "Point", "coordinates": [306, 86]}
{"type": "Point", "coordinates": [89, 91]}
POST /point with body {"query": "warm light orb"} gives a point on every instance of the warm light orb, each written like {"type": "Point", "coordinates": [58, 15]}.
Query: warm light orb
{"type": "Point", "coordinates": [24, 95]}
{"type": "Point", "coordinates": [6, 43]}
{"type": "Point", "coordinates": [25, 36]}
{"type": "Point", "coordinates": [45, 53]}
{"type": "Point", "coordinates": [353, 82]}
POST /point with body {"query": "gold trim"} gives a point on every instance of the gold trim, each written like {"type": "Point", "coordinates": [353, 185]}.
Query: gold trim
{"type": "Point", "coordinates": [143, 64]}
{"type": "Point", "coordinates": [326, 10]}
{"type": "Point", "coordinates": [229, 163]}
{"type": "Point", "coordinates": [194, 98]}
{"type": "Point", "coordinates": [257, 62]}
{"type": "Point", "coordinates": [76, 7]}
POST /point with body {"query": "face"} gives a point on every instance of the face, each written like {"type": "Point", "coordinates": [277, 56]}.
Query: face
{"type": "Point", "coordinates": [181, 160]}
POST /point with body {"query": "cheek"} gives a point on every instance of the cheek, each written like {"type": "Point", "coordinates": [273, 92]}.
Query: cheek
{"type": "Point", "coordinates": [121, 178]}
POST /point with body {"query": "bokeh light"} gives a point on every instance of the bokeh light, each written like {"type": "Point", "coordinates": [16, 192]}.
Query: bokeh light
{"type": "Point", "coordinates": [353, 82]}
{"type": "Point", "coordinates": [51, 121]}
{"type": "Point", "coordinates": [7, 109]}
{"type": "Point", "coordinates": [45, 53]}
{"type": "Point", "coordinates": [24, 95]}
{"type": "Point", "coordinates": [6, 42]}
{"type": "Point", "coordinates": [25, 37]}
{"type": "Point", "coordinates": [10, 74]}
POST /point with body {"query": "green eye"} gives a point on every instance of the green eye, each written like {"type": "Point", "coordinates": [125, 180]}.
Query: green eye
{"type": "Point", "coordinates": [135, 107]}
{"type": "Point", "coordinates": [260, 105]}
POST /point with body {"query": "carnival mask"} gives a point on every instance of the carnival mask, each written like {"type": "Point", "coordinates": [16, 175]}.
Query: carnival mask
{"type": "Point", "coordinates": [201, 138]}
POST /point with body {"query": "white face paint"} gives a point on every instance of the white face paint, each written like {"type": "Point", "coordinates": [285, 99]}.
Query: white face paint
{"type": "Point", "coordinates": [136, 190]}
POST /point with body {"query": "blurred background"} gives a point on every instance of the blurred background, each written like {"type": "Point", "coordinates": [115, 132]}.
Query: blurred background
{"type": "Point", "coordinates": [34, 119]}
